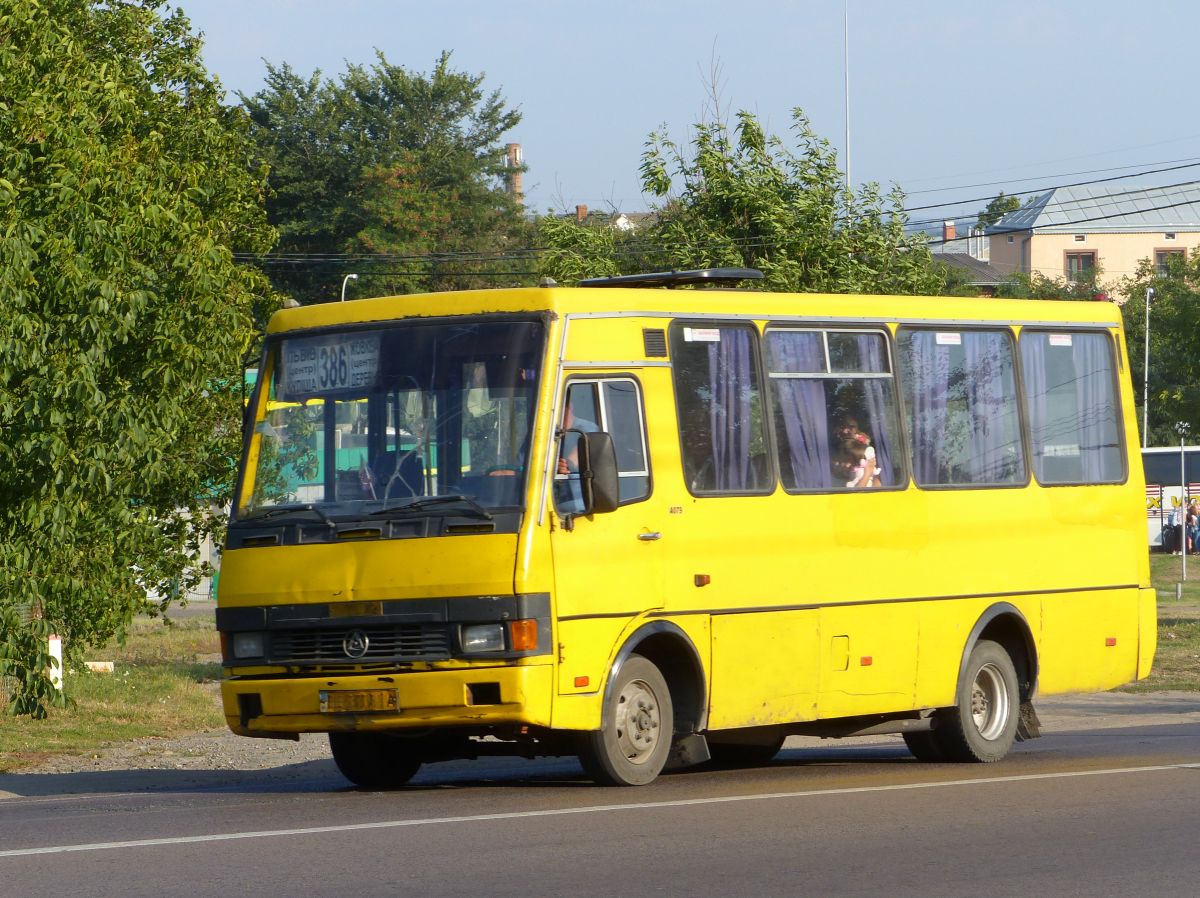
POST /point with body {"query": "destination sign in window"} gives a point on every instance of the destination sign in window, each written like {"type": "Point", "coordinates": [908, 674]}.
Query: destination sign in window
{"type": "Point", "coordinates": [329, 364]}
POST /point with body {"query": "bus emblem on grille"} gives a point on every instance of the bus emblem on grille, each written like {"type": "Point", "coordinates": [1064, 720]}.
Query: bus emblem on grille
{"type": "Point", "coordinates": [355, 644]}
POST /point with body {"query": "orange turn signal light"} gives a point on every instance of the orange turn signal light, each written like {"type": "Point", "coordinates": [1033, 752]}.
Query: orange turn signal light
{"type": "Point", "coordinates": [1110, 641]}
{"type": "Point", "coordinates": [523, 635]}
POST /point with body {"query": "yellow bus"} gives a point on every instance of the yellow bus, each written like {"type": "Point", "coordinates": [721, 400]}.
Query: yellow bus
{"type": "Point", "coordinates": [651, 527]}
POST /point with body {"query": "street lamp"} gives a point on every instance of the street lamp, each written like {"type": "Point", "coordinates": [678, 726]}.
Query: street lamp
{"type": "Point", "coordinates": [1182, 428]}
{"type": "Point", "coordinates": [354, 277]}
{"type": "Point", "coordinates": [1146, 376]}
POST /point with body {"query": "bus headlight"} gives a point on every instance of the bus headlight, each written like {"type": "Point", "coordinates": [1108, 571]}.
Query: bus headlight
{"type": "Point", "coordinates": [248, 645]}
{"type": "Point", "coordinates": [483, 638]}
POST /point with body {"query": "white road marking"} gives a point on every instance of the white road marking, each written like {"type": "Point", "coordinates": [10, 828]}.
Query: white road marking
{"type": "Point", "coordinates": [562, 812]}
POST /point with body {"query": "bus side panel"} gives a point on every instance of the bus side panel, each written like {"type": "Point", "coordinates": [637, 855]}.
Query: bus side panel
{"type": "Point", "coordinates": [580, 708]}
{"type": "Point", "coordinates": [868, 659]}
{"type": "Point", "coordinates": [944, 629]}
{"type": "Point", "coordinates": [1090, 640]}
{"type": "Point", "coordinates": [765, 668]}
{"type": "Point", "coordinates": [585, 649]}
{"type": "Point", "coordinates": [1147, 630]}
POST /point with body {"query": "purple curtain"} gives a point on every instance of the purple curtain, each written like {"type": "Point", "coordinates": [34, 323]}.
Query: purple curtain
{"type": "Point", "coordinates": [928, 380]}
{"type": "Point", "coordinates": [877, 393]}
{"type": "Point", "coordinates": [1033, 372]}
{"type": "Point", "coordinates": [730, 379]}
{"type": "Point", "coordinates": [991, 407]}
{"type": "Point", "coordinates": [1097, 411]}
{"type": "Point", "coordinates": [801, 406]}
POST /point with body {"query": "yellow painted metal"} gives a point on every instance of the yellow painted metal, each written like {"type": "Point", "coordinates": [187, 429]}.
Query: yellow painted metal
{"type": "Point", "coordinates": [764, 669]}
{"type": "Point", "coordinates": [363, 571]}
{"type": "Point", "coordinates": [1147, 630]}
{"type": "Point", "coordinates": [811, 606]}
{"type": "Point", "coordinates": [425, 699]}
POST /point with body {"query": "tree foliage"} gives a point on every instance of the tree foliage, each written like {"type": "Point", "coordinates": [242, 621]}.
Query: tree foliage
{"type": "Point", "coordinates": [384, 160]}
{"type": "Point", "coordinates": [744, 199]}
{"type": "Point", "coordinates": [1174, 383]}
{"type": "Point", "coordinates": [1038, 286]}
{"type": "Point", "coordinates": [125, 187]}
{"type": "Point", "coordinates": [995, 210]}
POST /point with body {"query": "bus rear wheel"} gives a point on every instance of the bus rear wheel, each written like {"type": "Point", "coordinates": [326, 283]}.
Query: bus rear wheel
{"type": "Point", "coordinates": [982, 726]}
{"type": "Point", "coordinates": [634, 740]}
{"type": "Point", "coordinates": [373, 760]}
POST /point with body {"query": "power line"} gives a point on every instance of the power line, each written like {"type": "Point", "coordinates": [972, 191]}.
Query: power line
{"type": "Point", "coordinates": [1080, 201]}
{"type": "Point", "coordinates": [1040, 177]}
{"type": "Point", "coordinates": [983, 199]}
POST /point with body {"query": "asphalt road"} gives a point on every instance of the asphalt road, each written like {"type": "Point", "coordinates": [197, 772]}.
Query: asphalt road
{"type": "Point", "coordinates": [1107, 803]}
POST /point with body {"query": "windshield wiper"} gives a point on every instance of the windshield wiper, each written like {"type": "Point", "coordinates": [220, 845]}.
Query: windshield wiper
{"type": "Point", "coordinates": [428, 503]}
{"type": "Point", "coordinates": [283, 510]}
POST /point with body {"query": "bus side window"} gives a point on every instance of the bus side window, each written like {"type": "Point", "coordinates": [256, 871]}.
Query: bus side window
{"type": "Point", "coordinates": [834, 409]}
{"type": "Point", "coordinates": [624, 421]}
{"type": "Point", "coordinates": [1071, 393]}
{"type": "Point", "coordinates": [720, 405]}
{"type": "Point", "coordinates": [960, 394]}
{"type": "Point", "coordinates": [612, 405]}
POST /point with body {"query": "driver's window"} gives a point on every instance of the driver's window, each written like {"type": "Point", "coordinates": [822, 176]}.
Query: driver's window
{"type": "Point", "coordinates": [613, 405]}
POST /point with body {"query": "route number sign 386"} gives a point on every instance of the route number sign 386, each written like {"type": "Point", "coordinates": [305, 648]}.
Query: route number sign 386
{"type": "Point", "coordinates": [328, 364]}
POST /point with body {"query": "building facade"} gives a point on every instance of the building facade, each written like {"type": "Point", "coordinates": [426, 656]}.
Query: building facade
{"type": "Point", "coordinates": [1076, 233]}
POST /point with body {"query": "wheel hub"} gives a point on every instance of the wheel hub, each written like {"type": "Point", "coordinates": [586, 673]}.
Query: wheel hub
{"type": "Point", "coordinates": [989, 702]}
{"type": "Point", "coordinates": [637, 721]}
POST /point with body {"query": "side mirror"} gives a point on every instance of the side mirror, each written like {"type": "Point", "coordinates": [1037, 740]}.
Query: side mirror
{"type": "Point", "coordinates": [598, 480]}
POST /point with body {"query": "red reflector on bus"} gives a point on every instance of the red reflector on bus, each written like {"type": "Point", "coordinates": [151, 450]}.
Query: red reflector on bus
{"type": "Point", "coordinates": [866, 661]}
{"type": "Point", "coordinates": [580, 682]}
{"type": "Point", "coordinates": [1111, 641]}
{"type": "Point", "coordinates": [702, 579]}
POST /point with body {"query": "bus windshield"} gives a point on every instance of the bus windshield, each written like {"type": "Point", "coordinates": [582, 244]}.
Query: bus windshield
{"type": "Point", "coordinates": [363, 421]}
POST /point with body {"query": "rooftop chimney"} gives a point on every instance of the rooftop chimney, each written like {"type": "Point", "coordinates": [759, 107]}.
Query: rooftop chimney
{"type": "Point", "coordinates": [580, 213]}
{"type": "Point", "coordinates": [514, 161]}
{"type": "Point", "coordinates": [948, 232]}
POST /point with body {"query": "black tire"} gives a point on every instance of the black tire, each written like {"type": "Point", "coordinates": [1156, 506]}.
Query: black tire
{"type": "Point", "coordinates": [374, 760]}
{"type": "Point", "coordinates": [634, 741]}
{"type": "Point", "coordinates": [982, 726]}
{"type": "Point", "coordinates": [746, 754]}
{"type": "Point", "coordinates": [925, 746]}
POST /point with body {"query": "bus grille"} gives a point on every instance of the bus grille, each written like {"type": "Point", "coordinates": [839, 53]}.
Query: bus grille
{"type": "Point", "coordinates": [389, 642]}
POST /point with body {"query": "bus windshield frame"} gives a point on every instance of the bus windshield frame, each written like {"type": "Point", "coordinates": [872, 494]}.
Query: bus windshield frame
{"type": "Point", "coordinates": [427, 416]}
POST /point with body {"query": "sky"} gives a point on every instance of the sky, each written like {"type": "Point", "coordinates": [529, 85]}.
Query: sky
{"type": "Point", "coordinates": [949, 100]}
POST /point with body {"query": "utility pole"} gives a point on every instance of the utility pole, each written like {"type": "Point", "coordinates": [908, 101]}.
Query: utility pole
{"type": "Point", "coordinates": [846, 80]}
{"type": "Point", "coordinates": [1146, 375]}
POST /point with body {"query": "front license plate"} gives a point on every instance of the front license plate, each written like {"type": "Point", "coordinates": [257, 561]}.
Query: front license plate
{"type": "Point", "coordinates": [350, 700]}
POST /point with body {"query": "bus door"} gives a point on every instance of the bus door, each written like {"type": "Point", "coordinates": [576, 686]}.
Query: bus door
{"type": "Point", "coordinates": [607, 567]}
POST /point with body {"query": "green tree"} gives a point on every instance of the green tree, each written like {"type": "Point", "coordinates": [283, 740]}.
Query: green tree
{"type": "Point", "coordinates": [1038, 286]}
{"type": "Point", "coordinates": [1174, 383]}
{"type": "Point", "coordinates": [1000, 206]}
{"type": "Point", "coordinates": [744, 199]}
{"type": "Point", "coordinates": [125, 189]}
{"type": "Point", "coordinates": [384, 160]}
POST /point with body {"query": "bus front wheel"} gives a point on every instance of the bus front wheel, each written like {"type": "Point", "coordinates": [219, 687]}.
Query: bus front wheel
{"type": "Point", "coordinates": [982, 726]}
{"type": "Point", "coordinates": [373, 760]}
{"type": "Point", "coordinates": [634, 741]}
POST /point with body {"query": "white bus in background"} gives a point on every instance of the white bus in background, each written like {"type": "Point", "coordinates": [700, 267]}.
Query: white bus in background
{"type": "Point", "coordinates": [1166, 474]}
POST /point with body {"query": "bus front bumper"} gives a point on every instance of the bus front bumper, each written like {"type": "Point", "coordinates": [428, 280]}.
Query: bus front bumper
{"type": "Point", "coordinates": [475, 697]}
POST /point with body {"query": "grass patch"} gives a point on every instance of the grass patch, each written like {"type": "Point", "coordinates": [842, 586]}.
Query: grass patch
{"type": "Point", "coordinates": [164, 684]}
{"type": "Point", "coordinates": [1177, 659]}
